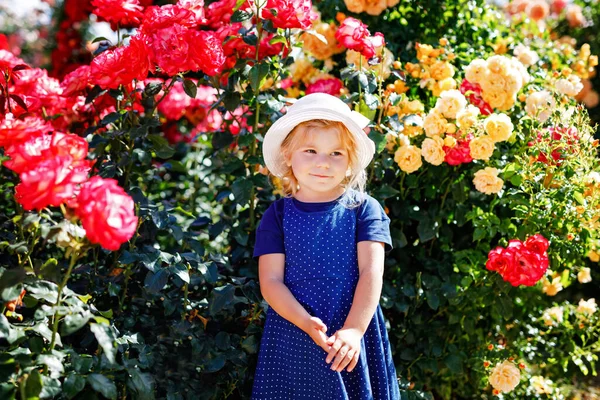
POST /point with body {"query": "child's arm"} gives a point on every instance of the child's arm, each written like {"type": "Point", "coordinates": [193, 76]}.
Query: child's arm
{"type": "Point", "coordinates": [345, 343]}
{"type": "Point", "coordinates": [278, 296]}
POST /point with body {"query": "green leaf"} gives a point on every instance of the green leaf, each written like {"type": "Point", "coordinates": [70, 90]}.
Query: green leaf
{"type": "Point", "coordinates": [53, 362]}
{"type": "Point", "coordinates": [426, 229]}
{"type": "Point", "coordinates": [182, 272]}
{"type": "Point", "coordinates": [155, 282]}
{"type": "Point", "coordinates": [240, 16]}
{"type": "Point", "coordinates": [103, 385]}
{"type": "Point", "coordinates": [10, 280]}
{"type": "Point", "coordinates": [33, 385]}
{"type": "Point", "coordinates": [100, 39]}
{"type": "Point", "coordinates": [43, 290]}
{"type": "Point", "coordinates": [250, 344]}
{"type": "Point", "coordinates": [82, 363]}
{"type": "Point", "coordinates": [153, 88]}
{"type": "Point", "coordinates": [433, 300]}
{"type": "Point", "coordinates": [74, 322]}
{"type": "Point", "coordinates": [142, 383]}
{"type": "Point", "coordinates": [220, 297]}
{"type": "Point", "coordinates": [454, 363]}
{"type": "Point", "coordinates": [106, 339]}
{"type": "Point", "coordinates": [161, 146]}
{"type": "Point", "coordinates": [241, 189]}
{"type": "Point", "coordinates": [384, 192]}
{"type": "Point", "coordinates": [190, 88]}
{"type": "Point", "coordinates": [73, 384]}
{"type": "Point", "coordinates": [257, 75]}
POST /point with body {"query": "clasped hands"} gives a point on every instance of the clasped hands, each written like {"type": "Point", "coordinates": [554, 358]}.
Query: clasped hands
{"type": "Point", "coordinates": [343, 347]}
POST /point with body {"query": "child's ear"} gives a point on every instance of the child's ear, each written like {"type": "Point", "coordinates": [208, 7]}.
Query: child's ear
{"type": "Point", "coordinates": [287, 159]}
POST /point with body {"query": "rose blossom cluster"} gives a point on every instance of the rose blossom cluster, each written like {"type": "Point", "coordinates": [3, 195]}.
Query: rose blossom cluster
{"type": "Point", "coordinates": [434, 68]}
{"type": "Point", "coordinates": [500, 79]}
{"type": "Point", "coordinates": [561, 142]}
{"type": "Point", "coordinates": [520, 263]}
{"type": "Point", "coordinates": [168, 38]}
{"type": "Point", "coordinates": [539, 10]}
{"type": "Point", "coordinates": [53, 166]}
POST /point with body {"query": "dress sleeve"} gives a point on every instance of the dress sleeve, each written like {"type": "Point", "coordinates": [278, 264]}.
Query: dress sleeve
{"type": "Point", "coordinates": [269, 234]}
{"type": "Point", "coordinates": [373, 224]}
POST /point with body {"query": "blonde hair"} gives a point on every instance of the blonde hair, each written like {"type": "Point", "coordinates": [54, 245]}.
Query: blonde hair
{"type": "Point", "coordinates": [357, 178]}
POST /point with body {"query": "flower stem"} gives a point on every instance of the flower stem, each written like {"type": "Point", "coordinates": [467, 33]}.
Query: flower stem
{"type": "Point", "coordinates": [74, 257]}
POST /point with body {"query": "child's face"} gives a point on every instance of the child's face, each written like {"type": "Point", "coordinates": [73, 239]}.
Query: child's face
{"type": "Point", "coordinates": [319, 164]}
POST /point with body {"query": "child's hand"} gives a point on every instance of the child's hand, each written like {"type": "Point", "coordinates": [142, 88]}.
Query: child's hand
{"type": "Point", "coordinates": [345, 347]}
{"type": "Point", "coordinates": [316, 330]}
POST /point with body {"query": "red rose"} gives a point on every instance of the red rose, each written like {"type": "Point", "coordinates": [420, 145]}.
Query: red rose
{"type": "Point", "coordinates": [289, 13]}
{"type": "Point", "coordinates": [76, 81]}
{"type": "Point", "coordinates": [518, 264]}
{"type": "Point", "coordinates": [157, 18]}
{"type": "Point", "coordinates": [121, 66]}
{"type": "Point", "coordinates": [209, 57]}
{"type": "Point", "coordinates": [14, 131]}
{"type": "Point", "coordinates": [537, 243]}
{"type": "Point", "coordinates": [499, 260]}
{"type": "Point", "coordinates": [120, 13]}
{"type": "Point", "coordinates": [51, 182]}
{"type": "Point", "coordinates": [460, 153]}
{"type": "Point", "coordinates": [106, 213]}
{"type": "Point", "coordinates": [330, 86]}
{"type": "Point", "coordinates": [195, 6]}
{"type": "Point", "coordinates": [474, 96]}
{"type": "Point", "coordinates": [354, 35]}
{"type": "Point", "coordinates": [25, 155]}
{"type": "Point", "coordinates": [218, 14]}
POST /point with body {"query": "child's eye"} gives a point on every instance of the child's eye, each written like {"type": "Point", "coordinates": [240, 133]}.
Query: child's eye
{"type": "Point", "coordinates": [337, 153]}
{"type": "Point", "coordinates": [311, 151]}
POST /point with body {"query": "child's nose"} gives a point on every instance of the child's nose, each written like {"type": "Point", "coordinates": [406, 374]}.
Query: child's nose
{"type": "Point", "coordinates": [323, 161]}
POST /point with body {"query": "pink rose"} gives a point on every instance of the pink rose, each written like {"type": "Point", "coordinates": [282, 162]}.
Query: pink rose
{"type": "Point", "coordinates": [354, 35]}
{"type": "Point", "coordinates": [290, 13]}
{"type": "Point", "coordinates": [330, 86]}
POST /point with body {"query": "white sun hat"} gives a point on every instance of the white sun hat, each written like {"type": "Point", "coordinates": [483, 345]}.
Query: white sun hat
{"type": "Point", "coordinates": [316, 106]}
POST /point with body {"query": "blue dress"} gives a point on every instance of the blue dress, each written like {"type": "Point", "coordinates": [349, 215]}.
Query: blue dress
{"type": "Point", "coordinates": [321, 271]}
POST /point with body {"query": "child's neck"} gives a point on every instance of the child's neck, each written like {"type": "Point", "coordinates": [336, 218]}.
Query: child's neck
{"type": "Point", "coordinates": [312, 197]}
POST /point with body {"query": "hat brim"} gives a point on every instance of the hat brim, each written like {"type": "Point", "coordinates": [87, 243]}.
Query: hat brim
{"type": "Point", "coordinates": [354, 121]}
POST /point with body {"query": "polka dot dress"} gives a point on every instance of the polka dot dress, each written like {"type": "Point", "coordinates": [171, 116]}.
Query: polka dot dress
{"type": "Point", "coordinates": [321, 271]}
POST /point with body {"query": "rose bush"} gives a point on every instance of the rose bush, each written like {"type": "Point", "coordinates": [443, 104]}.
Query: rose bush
{"type": "Point", "coordinates": [134, 184]}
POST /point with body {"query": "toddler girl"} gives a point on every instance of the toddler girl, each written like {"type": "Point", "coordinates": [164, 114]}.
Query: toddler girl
{"type": "Point", "coordinates": [321, 252]}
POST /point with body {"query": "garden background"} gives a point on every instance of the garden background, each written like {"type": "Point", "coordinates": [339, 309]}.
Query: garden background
{"type": "Point", "coordinates": [132, 183]}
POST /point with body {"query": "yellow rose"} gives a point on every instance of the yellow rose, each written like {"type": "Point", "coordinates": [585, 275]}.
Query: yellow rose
{"type": "Point", "coordinates": [302, 70]}
{"type": "Point", "coordinates": [467, 117]}
{"type": "Point", "coordinates": [423, 51]}
{"type": "Point", "coordinates": [438, 87]}
{"type": "Point", "coordinates": [584, 276]}
{"type": "Point", "coordinates": [540, 105]}
{"type": "Point", "coordinates": [316, 47]}
{"type": "Point", "coordinates": [434, 124]}
{"type": "Point", "coordinates": [482, 147]}
{"type": "Point", "coordinates": [408, 158]}
{"type": "Point", "coordinates": [499, 127]}
{"type": "Point", "coordinates": [499, 64]}
{"type": "Point", "coordinates": [450, 141]}
{"type": "Point", "coordinates": [552, 288]}
{"type": "Point", "coordinates": [505, 377]}
{"type": "Point", "coordinates": [495, 97]}
{"type": "Point", "coordinates": [476, 70]}
{"type": "Point", "coordinates": [441, 70]}
{"type": "Point", "coordinates": [355, 6]}
{"type": "Point", "coordinates": [450, 103]}
{"type": "Point", "coordinates": [587, 307]}
{"type": "Point", "coordinates": [486, 181]}
{"type": "Point", "coordinates": [570, 86]}
{"type": "Point", "coordinates": [412, 107]}
{"type": "Point", "coordinates": [432, 150]}
{"type": "Point", "coordinates": [541, 385]}
{"type": "Point", "coordinates": [375, 7]}
{"type": "Point", "coordinates": [593, 256]}
{"type": "Point", "coordinates": [553, 316]}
